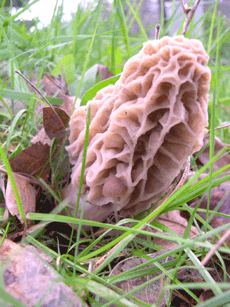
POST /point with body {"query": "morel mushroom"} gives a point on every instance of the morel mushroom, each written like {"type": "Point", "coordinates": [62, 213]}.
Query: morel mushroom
{"type": "Point", "coordinates": [144, 128]}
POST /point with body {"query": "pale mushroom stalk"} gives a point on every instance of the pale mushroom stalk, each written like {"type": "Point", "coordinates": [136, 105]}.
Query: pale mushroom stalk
{"type": "Point", "coordinates": [115, 209]}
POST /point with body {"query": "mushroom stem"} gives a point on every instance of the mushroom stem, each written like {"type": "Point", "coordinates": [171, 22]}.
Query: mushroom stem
{"type": "Point", "coordinates": [115, 209]}
{"type": "Point", "coordinates": [116, 214]}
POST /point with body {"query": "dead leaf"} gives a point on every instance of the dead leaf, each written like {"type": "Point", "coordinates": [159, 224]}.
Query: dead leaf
{"type": "Point", "coordinates": [104, 71]}
{"type": "Point", "coordinates": [55, 84]}
{"type": "Point", "coordinates": [186, 275]}
{"type": "Point", "coordinates": [220, 196]}
{"type": "Point", "coordinates": [220, 193]}
{"type": "Point", "coordinates": [149, 293]}
{"type": "Point", "coordinates": [54, 123]}
{"type": "Point", "coordinates": [32, 161]}
{"type": "Point", "coordinates": [215, 199]}
{"type": "Point", "coordinates": [174, 221]}
{"type": "Point", "coordinates": [218, 145]}
{"type": "Point", "coordinates": [29, 278]}
{"type": "Point", "coordinates": [41, 137]}
{"type": "Point", "coordinates": [206, 295]}
{"type": "Point", "coordinates": [26, 192]}
{"type": "Point", "coordinates": [67, 105]}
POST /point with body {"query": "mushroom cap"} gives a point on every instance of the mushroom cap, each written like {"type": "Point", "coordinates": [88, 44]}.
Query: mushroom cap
{"type": "Point", "coordinates": [114, 187]}
{"type": "Point", "coordinates": [143, 128]}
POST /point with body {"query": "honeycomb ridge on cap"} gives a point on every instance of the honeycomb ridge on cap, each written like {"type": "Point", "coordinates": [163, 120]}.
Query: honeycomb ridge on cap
{"type": "Point", "coordinates": [144, 128]}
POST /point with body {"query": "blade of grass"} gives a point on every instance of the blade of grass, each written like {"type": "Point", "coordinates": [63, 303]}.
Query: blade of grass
{"type": "Point", "coordinates": [12, 127]}
{"type": "Point", "coordinates": [5, 233]}
{"type": "Point", "coordinates": [203, 271]}
{"type": "Point", "coordinates": [128, 231]}
{"type": "Point", "coordinates": [142, 29]}
{"type": "Point", "coordinates": [25, 8]}
{"type": "Point", "coordinates": [81, 178]}
{"type": "Point", "coordinates": [86, 61]}
{"type": "Point", "coordinates": [218, 300]}
{"type": "Point", "coordinates": [123, 26]}
{"type": "Point", "coordinates": [106, 293]}
{"type": "Point", "coordinates": [26, 97]}
{"type": "Point", "coordinates": [212, 122]}
{"type": "Point", "coordinates": [10, 299]}
{"type": "Point", "coordinates": [212, 27]}
{"type": "Point", "coordinates": [90, 94]}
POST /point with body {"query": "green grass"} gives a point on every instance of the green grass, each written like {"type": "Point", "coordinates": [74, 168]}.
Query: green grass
{"type": "Point", "coordinates": [101, 34]}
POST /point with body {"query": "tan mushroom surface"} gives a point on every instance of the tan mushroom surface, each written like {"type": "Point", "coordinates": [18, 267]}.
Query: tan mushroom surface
{"type": "Point", "coordinates": [143, 128]}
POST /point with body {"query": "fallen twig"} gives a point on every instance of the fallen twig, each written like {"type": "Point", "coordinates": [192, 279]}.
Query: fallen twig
{"type": "Point", "coordinates": [215, 248]}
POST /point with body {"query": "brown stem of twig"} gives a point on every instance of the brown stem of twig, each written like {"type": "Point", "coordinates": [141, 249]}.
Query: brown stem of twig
{"type": "Point", "coordinates": [157, 31]}
{"type": "Point", "coordinates": [189, 12]}
{"type": "Point", "coordinates": [33, 86]}
{"type": "Point", "coordinates": [185, 8]}
{"type": "Point", "coordinates": [37, 90]}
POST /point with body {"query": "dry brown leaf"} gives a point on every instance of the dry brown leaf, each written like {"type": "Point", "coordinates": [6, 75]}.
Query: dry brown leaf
{"type": "Point", "coordinates": [217, 195]}
{"type": "Point", "coordinates": [174, 221]}
{"type": "Point", "coordinates": [67, 105]}
{"type": "Point", "coordinates": [54, 123]}
{"type": "Point", "coordinates": [53, 84]}
{"type": "Point", "coordinates": [32, 161]}
{"type": "Point", "coordinates": [29, 279]}
{"type": "Point", "coordinates": [151, 292]}
{"type": "Point", "coordinates": [185, 275]}
{"type": "Point", "coordinates": [41, 137]}
{"type": "Point", "coordinates": [220, 193]}
{"type": "Point", "coordinates": [218, 145]}
{"type": "Point", "coordinates": [206, 295]}
{"type": "Point", "coordinates": [104, 71]}
{"type": "Point", "coordinates": [26, 192]}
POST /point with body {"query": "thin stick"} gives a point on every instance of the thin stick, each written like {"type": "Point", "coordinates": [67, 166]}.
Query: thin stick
{"type": "Point", "coordinates": [215, 248]}
{"type": "Point", "coordinates": [189, 12]}
{"type": "Point", "coordinates": [157, 31]}
{"type": "Point", "coordinates": [185, 7]}
{"type": "Point", "coordinates": [37, 90]}
{"type": "Point", "coordinates": [222, 127]}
